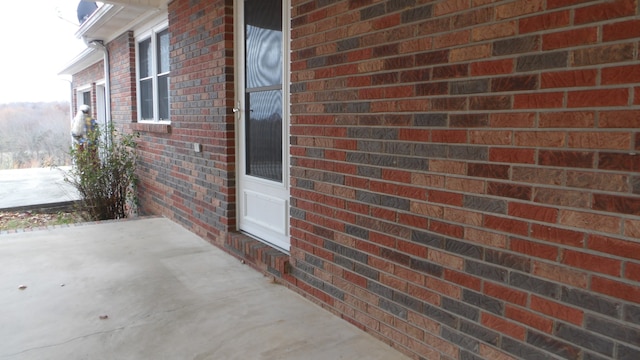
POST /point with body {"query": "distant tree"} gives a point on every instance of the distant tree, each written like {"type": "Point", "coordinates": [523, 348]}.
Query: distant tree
{"type": "Point", "coordinates": [34, 135]}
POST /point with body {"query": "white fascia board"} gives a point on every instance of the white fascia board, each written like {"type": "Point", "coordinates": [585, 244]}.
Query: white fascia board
{"type": "Point", "coordinates": [86, 58]}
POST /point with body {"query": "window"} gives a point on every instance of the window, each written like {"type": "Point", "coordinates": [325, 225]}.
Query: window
{"type": "Point", "coordinates": [86, 98]}
{"type": "Point", "coordinates": [153, 76]}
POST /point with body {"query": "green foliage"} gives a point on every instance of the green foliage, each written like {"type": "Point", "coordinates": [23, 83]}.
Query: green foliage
{"type": "Point", "coordinates": [104, 174]}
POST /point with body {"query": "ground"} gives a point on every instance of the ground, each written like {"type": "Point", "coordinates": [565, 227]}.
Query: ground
{"type": "Point", "coordinates": [33, 219]}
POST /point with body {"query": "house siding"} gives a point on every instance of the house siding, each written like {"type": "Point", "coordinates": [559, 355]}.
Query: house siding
{"type": "Point", "coordinates": [464, 174]}
{"type": "Point", "coordinates": [465, 181]}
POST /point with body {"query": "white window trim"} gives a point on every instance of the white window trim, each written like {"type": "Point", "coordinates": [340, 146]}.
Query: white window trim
{"type": "Point", "coordinates": [149, 33]}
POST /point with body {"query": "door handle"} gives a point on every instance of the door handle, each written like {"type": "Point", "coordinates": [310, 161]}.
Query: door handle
{"type": "Point", "coordinates": [236, 110]}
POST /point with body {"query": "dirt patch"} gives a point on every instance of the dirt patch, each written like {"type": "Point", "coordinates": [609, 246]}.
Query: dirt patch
{"type": "Point", "coordinates": [11, 220]}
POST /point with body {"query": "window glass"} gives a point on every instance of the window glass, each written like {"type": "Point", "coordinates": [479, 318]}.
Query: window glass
{"type": "Point", "coordinates": [163, 97]}
{"type": "Point", "coordinates": [146, 99]}
{"type": "Point", "coordinates": [163, 52]}
{"type": "Point", "coordinates": [144, 49]}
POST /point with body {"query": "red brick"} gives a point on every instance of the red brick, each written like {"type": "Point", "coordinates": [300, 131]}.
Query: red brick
{"type": "Point", "coordinates": [449, 136]}
{"type": "Point", "coordinates": [632, 271]}
{"type": "Point", "coordinates": [424, 294]}
{"type": "Point", "coordinates": [519, 8]}
{"type": "Point", "coordinates": [613, 246]}
{"type": "Point", "coordinates": [580, 159]}
{"type": "Point", "coordinates": [621, 30]}
{"type": "Point", "coordinates": [538, 100]}
{"type": "Point", "coordinates": [585, 220]}
{"type": "Point", "coordinates": [557, 235]}
{"type": "Point", "coordinates": [512, 120]}
{"type": "Point", "coordinates": [617, 204]}
{"type": "Point", "coordinates": [463, 279]}
{"type": "Point", "coordinates": [510, 226]}
{"type": "Point", "coordinates": [446, 229]}
{"type": "Point", "coordinates": [596, 98]}
{"type": "Point", "coordinates": [445, 197]}
{"type": "Point", "coordinates": [545, 21]}
{"type": "Point", "coordinates": [561, 274]}
{"type": "Point", "coordinates": [592, 262]}
{"type": "Point", "coordinates": [490, 137]}
{"type": "Point", "coordinates": [616, 289]}
{"type": "Point", "coordinates": [444, 288]}
{"type": "Point", "coordinates": [627, 74]}
{"type": "Point", "coordinates": [570, 38]}
{"type": "Point", "coordinates": [494, 30]}
{"type": "Point", "coordinates": [512, 155]}
{"type": "Point", "coordinates": [503, 326]}
{"type": "Point", "coordinates": [507, 294]}
{"type": "Point", "coordinates": [574, 119]}
{"type": "Point", "coordinates": [533, 212]}
{"type": "Point", "coordinates": [620, 119]}
{"type": "Point", "coordinates": [486, 237]}
{"type": "Point", "coordinates": [450, 6]}
{"type": "Point", "coordinates": [600, 140]}
{"type": "Point", "coordinates": [488, 352]}
{"type": "Point", "coordinates": [556, 310]}
{"type": "Point", "coordinates": [534, 249]}
{"type": "Point", "coordinates": [605, 11]}
{"type": "Point", "coordinates": [492, 67]}
{"type": "Point", "coordinates": [573, 78]}
{"type": "Point", "coordinates": [528, 318]}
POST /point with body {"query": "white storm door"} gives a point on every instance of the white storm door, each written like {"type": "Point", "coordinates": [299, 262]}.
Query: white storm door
{"type": "Point", "coordinates": [262, 115]}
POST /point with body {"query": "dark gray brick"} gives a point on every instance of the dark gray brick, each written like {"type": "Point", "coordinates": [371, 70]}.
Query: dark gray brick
{"type": "Point", "coordinates": [395, 202]}
{"type": "Point", "coordinates": [430, 120]}
{"type": "Point", "coordinates": [464, 152]}
{"type": "Point", "coordinates": [440, 316]}
{"type": "Point", "coordinates": [382, 160]}
{"type": "Point", "coordinates": [631, 313]}
{"type": "Point", "coordinates": [357, 232]}
{"type": "Point", "coordinates": [469, 86]}
{"type": "Point", "coordinates": [412, 163]}
{"type": "Point", "coordinates": [590, 301]}
{"type": "Point", "coordinates": [402, 148]}
{"type": "Point", "coordinates": [344, 262]}
{"type": "Point", "coordinates": [345, 251]}
{"type": "Point", "coordinates": [381, 290]}
{"type": "Point", "coordinates": [522, 351]}
{"type": "Point", "coordinates": [584, 339]}
{"type": "Point", "coordinates": [479, 332]}
{"type": "Point", "coordinates": [298, 214]}
{"type": "Point", "coordinates": [366, 271]}
{"type": "Point", "coordinates": [550, 60]}
{"type": "Point", "coordinates": [369, 172]}
{"type": "Point", "coordinates": [384, 133]}
{"type": "Point", "coordinates": [370, 145]}
{"type": "Point", "coordinates": [535, 285]}
{"type": "Point", "coordinates": [313, 260]}
{"type": "Point", "coordinates": [357, 158]}
{"type": "Point", "coordinates": [482, 301]}
{"type": "Point", "coordinates": [460, 308]}
{"type": "Point", "coordinates": [372, 11]}
{"type": "Point", "coordinates": [359, 132]}
{"type": "Point", "coordinates": [627, 353]}
{"type": "Point", "coordinates": [348, 44]}
{"type": "Point", "coordinates": [547, 343]}
{"type": "Point", "coordinates": [430, 150]}
{"type": "Point", "coordinates": [393, 308]}
{"type": "Point", "coordinates": [408, 301]}
{"type": "Point", "coordinates": [466, 355]}
{"type": "Point", "coordinates": [426, 267]}
{"type": "Point", "coordinates": [482, 203]}
{"type": "Point", "coordinates": [508, 260]}
{"type": "Point", "coordinates": [396, 5]}
{"type": "Point", "coordinates": [461, 340]}
{"type": "Point", "coordinates": [463, 248]}
{"type": "Point", "coordinates": [368, 197]}
{"type": "Point", "coordinates": [333, 291]}
{"type": "Point", "coordinates": [333, 178]}
{"type": "Point", "coordinates": [515, 45]}
{"type": "Point", "coordinates": [627, 334]}
{"type": "Point", "coordinates": [417, 14]}
{"type": "Point", "coordinates": [428, 239]}
{"type": "Point", "coordinates": [305, 184]}
{"type": "Point", "coordinates": [486, 271]}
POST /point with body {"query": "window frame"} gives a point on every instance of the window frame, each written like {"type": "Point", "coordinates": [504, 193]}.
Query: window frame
{"type": "Point", "coordinates": [152, 34]}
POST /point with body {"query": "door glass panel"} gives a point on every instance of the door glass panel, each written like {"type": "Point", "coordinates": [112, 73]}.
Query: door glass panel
{"type": "Point", "coordinates": [263, 88]}
{"type": "Point", "coordinates": [264, 134]}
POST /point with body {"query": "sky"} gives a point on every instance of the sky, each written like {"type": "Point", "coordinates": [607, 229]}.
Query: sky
{"type": "Point", "coordinates": [38, 41]}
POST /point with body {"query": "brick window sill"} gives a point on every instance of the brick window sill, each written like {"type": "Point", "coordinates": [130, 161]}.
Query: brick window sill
{"type": "Point", "coordinates": [151, 128]}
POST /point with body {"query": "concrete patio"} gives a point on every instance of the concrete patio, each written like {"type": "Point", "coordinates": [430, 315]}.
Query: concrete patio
{"type": "Point", "coordinates": [149, 289]}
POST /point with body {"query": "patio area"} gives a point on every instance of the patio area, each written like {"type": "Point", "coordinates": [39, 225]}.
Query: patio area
{"type": "Point", "coordinates": [149, 289]}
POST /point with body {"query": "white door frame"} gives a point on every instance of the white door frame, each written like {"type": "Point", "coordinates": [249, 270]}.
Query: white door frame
{"type": "Point", "coordinates": [262, 205]}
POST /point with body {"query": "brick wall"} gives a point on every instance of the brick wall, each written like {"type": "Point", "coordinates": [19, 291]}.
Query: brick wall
{"type": "Point", "coordinates": [196, 189]}
{"type": "Point", "coordinates": [122, 61]}
{"type": "Point", "coordinates": [87, 77]}
{"type": "Point", "coordinates": [465, 174]}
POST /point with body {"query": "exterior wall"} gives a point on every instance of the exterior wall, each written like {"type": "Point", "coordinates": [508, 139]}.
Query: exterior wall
{"type": "Point", "coordinates": [465, 173]}
{"type": "Point", "coordinates": [87, 77]}
{"type": "Point", "coordinates": [464, 177]}
{"type": "Point", "coordinates": [195, 189]}
{"type": "Point", "coordinates": [122, 61]}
